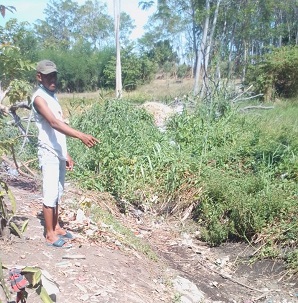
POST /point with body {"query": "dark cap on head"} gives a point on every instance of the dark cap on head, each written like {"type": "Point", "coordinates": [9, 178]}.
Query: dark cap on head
{"type": "Point", "coordinates": [46, 67]}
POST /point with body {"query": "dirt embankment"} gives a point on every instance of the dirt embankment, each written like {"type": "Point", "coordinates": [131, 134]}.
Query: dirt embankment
{"type": "Point", "coordinates": [101, 268]}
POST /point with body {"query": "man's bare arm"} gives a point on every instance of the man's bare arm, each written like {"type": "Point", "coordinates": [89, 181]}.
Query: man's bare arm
{"type": "Point", "coordinates": [43, 109]}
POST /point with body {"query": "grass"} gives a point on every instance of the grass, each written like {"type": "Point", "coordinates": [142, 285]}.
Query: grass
{"type": "Point", "coordinates": [240, 169]}
{"type": "Point", "coordinates": [237, 169]}
{"type": "Point", "coordinates": [162, 90]}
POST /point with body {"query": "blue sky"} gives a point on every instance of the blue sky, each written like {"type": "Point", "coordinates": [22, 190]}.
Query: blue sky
{"type": "Point", "coordinates": [31, 10]}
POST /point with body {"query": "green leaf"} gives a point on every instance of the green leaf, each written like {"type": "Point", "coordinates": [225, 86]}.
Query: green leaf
{"type": "Point", "coordinates": [44, 296]}
{"type": "Point", "coordinates": [24, 226]}
{"type": "Point", "coordinates": [16, 229]}
{"type": "Point", "coordinates": [30, 269]}
{"type": "Point", "coordinates": [10, 196]}
{"type": "Point", "coordinates": [36, 278]}
{"type": "Point", "coordinates": [2, 282]}
{"type": "Point", "coordinates": [35, 274]}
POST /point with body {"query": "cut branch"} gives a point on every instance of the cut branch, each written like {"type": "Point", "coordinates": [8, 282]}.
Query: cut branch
{"type": "Point", "coordinates": [256, 107]}
{"type": "Point", "coordinates": [234, 100]}
{"type": "Point", "coordinates": [251, 97]}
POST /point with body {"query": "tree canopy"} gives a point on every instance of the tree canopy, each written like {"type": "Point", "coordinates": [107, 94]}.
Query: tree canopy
{"type": "Point", "coordinates": [217, 39]}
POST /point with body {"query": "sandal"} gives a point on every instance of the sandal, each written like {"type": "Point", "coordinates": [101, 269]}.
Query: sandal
{"type": "Point", "coordinates": [68, 235]}
{"type": "Point", "coordinates": [59, 243]}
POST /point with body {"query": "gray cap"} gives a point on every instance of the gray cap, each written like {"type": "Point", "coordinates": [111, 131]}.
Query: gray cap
{"type": "Point", "coordinates": [46, 67]}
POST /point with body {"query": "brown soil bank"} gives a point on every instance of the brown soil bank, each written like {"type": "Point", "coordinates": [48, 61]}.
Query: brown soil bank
{"type": "Point", "coordinates": [102, 268]}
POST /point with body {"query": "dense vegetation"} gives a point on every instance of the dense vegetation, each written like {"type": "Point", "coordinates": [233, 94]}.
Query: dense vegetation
{"type": "Point", "coordinates": [236, 170]}
{"type": "Point", "coordinates": [239, 171]}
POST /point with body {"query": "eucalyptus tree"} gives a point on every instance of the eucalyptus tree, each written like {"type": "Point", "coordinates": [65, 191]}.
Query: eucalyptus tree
{"type": "Point", "coordinates": [94, 24]}
{"type": "Point", "coordinates": [169, 23]}
{"type": "Point", "coordinates": [126, 27]}
{"type": "Point", "coordinates": [165, 37]}
{"type": "Point", "coordinates": [67, 23]}
{"type": "Point", "coordinates": [252, 30]}
{"type": "Point", "coordinates": [58, 29]}
{"type": "Point", "coordinates": [118, 88]}
{"type": "Point", "coordinates": [246, 28]}
{"type": "Point", "coordinates": [207, 43]}
{"type": "Point", "coordinates": [285, 23]}
{"type": "Point", "coordinates": [194, 21]}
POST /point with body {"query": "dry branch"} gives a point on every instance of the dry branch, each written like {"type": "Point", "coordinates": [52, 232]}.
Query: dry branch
{"type": "Point", "coordinates": [15, 165]}
{"type": "Point", "coordinates": [256, 107]}
{"type": "Point", "coordinates": [234, 100]}
{"type": "Point", "coordinates": [248, 98]}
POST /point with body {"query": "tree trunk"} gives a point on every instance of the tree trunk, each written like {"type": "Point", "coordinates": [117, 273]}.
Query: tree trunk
{"type": "Point", "coordinates": [201, 51]}
{"type": "Point", "coordinates": [210, 42]}
{"type": "Point", "coordinates": [230, 64]}
{"type": "Point", "coordinates": [244, 61]}
{"type": "Point", "coordinates": [118, 57]}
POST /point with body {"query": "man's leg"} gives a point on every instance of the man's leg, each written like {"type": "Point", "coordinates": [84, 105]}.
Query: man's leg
{"type": "Point", "coordinates": [50, 172]}
{"type": "Point", "coordinates": [49, 215]}
{"type": "Point", "coordinates": [58, 229]}
{"type": "Point", "coordinates": [62, 171]}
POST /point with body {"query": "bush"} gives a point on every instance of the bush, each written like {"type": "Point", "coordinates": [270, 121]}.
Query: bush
{"type": "Point", "coordinates": [239, 172]}
{"type": "Point", "coordinates": [136, 70]}
{"type": "Point", "coordinates": [247, 166]}
{"type": "Point", "coordinates": [128, 154]}
{"type": "Point", "coordinates": [276, 73]}
{"type": "Point", "coordinates": [80, 69]}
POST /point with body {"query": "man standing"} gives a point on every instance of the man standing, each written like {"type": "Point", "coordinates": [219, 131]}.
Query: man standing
{"type": "Point", "coordinates": [52, 151]}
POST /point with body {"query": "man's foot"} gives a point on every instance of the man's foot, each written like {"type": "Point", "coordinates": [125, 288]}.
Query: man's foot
{"type": "Point", "coordinates": [59, 243]}
{"type": "Point", "coordinates": [67, 235]}
{"type": "Point", "coordinates": [62, 233]}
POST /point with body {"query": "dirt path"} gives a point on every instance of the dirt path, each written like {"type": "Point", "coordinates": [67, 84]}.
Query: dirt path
{"type": "Point", "coordinates": [108, 271]}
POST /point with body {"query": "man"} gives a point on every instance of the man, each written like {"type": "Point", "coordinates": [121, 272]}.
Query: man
{"type": "Point", "coordinates": [52, 151]}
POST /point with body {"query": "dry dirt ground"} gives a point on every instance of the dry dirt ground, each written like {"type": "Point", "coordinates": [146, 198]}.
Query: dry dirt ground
{"type": "Point", "coordinates": [106, 270]}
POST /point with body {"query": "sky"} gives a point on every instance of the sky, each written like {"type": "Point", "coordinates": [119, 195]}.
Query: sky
{"type": "Point", "coordinates": [31, 10]}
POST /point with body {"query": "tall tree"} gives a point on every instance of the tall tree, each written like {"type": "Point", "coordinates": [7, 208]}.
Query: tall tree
{"type": "Point", "coordinates": [126, 27]}
{"type": "Point", "coordinates": [118, 55]}
{"type": "Point", "coordinates": [58, 28]}
{"type": "Point", "coordinates": [237, 29]}
{"type": "Point", "coordinates": [201, 50]}
{"type": "Point", "coordinates": [99, 31]}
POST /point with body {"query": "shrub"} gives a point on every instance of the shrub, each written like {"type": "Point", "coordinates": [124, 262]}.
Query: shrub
{"type": "Point", "coordinates": [238, 171]}
{"type": "Point", "coordinates": [276, 73]}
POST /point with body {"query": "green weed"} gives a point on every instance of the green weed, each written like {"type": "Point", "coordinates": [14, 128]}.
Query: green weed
{"type": "Point", "coordinates": [239, 169]}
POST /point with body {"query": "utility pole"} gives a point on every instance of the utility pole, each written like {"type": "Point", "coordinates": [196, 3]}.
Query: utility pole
{"type": "Point", "coordinates": [118, 57]}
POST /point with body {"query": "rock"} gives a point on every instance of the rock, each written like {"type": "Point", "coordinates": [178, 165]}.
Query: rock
{"type": "Point", "coordinates": [84, 297]}
{"type": "Point", "coordinates": [188, 291]}
{"type": "Point", "coordinates": [80, 217]}
{"type": "Point", "coordinates": [74, 257]}
{"type": "Point", "coordinates": [49, 283]}
{"type": "Point", "coordinates": [81, 287]}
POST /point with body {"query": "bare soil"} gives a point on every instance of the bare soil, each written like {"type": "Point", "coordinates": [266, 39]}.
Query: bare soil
{"type": "Point", "coordinates": [102, 269]}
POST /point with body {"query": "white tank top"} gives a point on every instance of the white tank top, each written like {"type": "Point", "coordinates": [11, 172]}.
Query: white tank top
{"type": "Point", "coordinates": [48, 137]}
